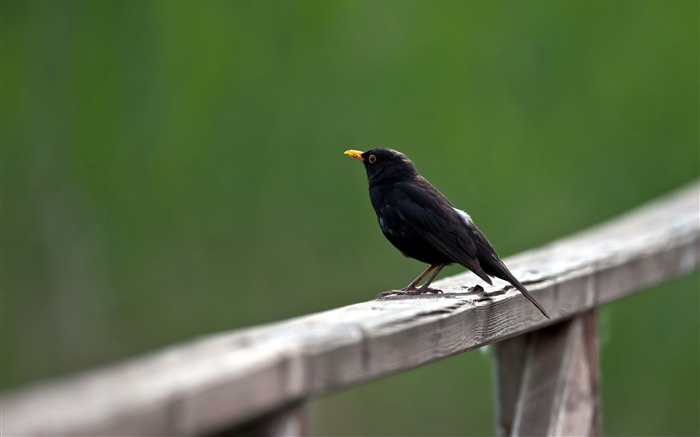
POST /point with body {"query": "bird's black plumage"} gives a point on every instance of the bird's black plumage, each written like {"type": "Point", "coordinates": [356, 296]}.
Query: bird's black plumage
{"type": "Point", "coordinates": [423, 224]}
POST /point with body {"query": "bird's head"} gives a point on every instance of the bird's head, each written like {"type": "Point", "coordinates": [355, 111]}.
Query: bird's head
{"type": "Point", "coordinates": [385, 165]}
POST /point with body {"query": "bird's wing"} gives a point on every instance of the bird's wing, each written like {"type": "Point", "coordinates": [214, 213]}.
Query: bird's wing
{"type": "Point", "coordinates": [429, 214]}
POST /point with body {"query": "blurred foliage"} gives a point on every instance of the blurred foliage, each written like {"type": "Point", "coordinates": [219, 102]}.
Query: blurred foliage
{"type": "Point", "coordinates": [175, 168]}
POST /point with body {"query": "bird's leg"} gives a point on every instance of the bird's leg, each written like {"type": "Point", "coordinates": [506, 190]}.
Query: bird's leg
{"type": "Point", "coordinates": [412, 285]}
{"type": "Point", "coordinates": [425, 288]}
{"type": "Point", "coordinates": [410, 288]}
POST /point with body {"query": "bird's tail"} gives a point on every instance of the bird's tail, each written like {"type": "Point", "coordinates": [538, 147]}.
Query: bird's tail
{"type": "Point", "coordinates": [527, 294]}
{"type": "Point", "coordinates": [497, 268]}
{"type": "Point", "coordinates": [491, 264]}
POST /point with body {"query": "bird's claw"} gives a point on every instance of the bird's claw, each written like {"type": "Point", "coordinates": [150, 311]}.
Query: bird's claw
{"type": "Point", "coordinates": [409, 292]}
{"type": "Point", "coordinates": [430, 290]}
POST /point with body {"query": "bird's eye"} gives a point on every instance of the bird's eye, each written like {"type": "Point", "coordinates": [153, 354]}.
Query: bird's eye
{"type": "Point", "coordinates": [372, 159]}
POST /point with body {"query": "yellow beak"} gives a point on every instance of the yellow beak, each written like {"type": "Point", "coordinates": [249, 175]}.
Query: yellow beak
{"type": "Point", "coordinates": [355, 154]}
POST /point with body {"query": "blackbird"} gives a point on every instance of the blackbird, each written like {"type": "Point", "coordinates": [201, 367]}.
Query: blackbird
{"type": "Point", "coordinates": [424, 225]}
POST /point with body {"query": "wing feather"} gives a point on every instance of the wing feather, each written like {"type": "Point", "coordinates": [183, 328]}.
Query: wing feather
{"type": "Point", "coordinates": [429, 214]}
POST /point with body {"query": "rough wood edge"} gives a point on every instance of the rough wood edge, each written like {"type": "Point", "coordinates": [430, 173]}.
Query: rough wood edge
{"type": "Point", "coordinates": [229, 378]}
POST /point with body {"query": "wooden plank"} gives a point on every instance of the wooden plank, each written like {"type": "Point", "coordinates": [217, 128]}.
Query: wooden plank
{"type": "Point", "coordinates": [547, 381]}
{"type": "Point", "coordinates": [509, 363]}
{"type": "Point", "coordinates": [289, 421]}
{"type": "Point", "coordinates": [559, 392]}
{"type": "Point", "coordinates": [229, 378]}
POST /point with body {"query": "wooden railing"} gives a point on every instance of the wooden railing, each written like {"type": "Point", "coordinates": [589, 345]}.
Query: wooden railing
{"type": "Point", "coordinates": [258, 379]}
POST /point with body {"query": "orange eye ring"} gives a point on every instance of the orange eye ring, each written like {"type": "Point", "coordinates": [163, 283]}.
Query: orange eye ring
{"type": "Point", "coordinates": [372, 159]}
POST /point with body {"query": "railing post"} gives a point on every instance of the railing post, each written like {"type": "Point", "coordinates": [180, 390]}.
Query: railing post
{"type": "Point", "coordinates": [509, 360]}
{"type": "Point", "coordinates": [551, 387]}
{"type": "Point", "coordinates": [289, 421]}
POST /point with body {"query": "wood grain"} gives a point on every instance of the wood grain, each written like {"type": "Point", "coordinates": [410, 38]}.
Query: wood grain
{"type": "Point", "coordinates": [508, 367]}
{"type": "Point", "coordinates": [559, 390]}
{"type": "Point", "coordinates": [218, 381]}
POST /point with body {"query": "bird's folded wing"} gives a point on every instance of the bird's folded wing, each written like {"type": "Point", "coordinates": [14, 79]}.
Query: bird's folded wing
{"type": "Point", "coordinates": [431, 216]}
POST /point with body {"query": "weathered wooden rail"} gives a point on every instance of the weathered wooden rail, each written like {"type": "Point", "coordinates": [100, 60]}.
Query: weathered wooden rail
{"type": "Point", "coordinates": [259, 378]}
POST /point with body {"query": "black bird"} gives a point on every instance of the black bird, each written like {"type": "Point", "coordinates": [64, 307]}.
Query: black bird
{"type": "Point", "coordinates": [424, 225]}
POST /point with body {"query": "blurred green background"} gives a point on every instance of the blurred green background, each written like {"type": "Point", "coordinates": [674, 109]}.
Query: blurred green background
{"type": "Point", "coordinates": [175, 168]}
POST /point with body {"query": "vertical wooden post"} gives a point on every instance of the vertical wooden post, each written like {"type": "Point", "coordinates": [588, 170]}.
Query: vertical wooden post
{"type": "Point", "coordinates": [289, 421]}
{"type": "Point", "coordinates": [557, 390]}
{"type": "Point", "coordinates": [508, 366]}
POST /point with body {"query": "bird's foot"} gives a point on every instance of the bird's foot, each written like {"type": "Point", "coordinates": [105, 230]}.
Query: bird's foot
{"type": "Point", "coordinates": [409, 292]}
{"type": "Point", "coordinates": [389, 293]}
{"type": "Point", "coordinates": [425, 290]}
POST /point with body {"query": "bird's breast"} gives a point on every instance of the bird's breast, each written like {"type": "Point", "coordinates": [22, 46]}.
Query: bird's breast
{"type": "Point", "coordinates": [402, 235]}
{"type": "Point", "coordinates": [383, 225]}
